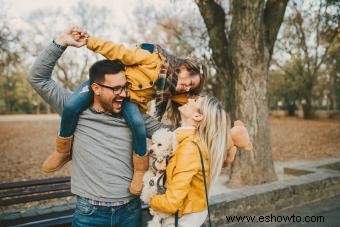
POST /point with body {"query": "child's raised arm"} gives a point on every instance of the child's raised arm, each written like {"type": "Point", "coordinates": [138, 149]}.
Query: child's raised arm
{"type": "Point", "coordinates": [111, 51]}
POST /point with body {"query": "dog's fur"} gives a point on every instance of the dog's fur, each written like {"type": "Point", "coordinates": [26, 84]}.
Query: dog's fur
{"type": "Point", "coordinates": [159, 152]}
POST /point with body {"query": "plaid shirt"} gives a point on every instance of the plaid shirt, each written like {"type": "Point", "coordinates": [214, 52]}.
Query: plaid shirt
{"type": "Point", "coordinates": [167, 79]}
{"type": "Point", "coordinates": [166, 82]}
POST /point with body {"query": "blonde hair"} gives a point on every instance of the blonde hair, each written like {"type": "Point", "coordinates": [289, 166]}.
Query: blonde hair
{"type": "Point", "coordinates": [213, 133]}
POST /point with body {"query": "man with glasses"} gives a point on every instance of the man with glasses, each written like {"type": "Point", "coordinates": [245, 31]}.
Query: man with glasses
{"type": "Point", "coordinates": [102, 146]}
{"type": "Point", "coordinates": [115, 90]}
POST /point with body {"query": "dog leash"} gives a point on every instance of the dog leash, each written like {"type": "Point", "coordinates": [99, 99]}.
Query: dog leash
{"type": "Point", "coordinates": [162, 178]}
{"type": "Point", "coordinates": [205, 186]}
{"type": "Point", "coordinates": [160, 188]}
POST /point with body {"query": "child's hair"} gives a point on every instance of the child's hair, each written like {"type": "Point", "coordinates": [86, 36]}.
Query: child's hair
{"type": "Point", "coordinates": [194, 67]}
{"type": "Point", "coordinates": [100, 68]}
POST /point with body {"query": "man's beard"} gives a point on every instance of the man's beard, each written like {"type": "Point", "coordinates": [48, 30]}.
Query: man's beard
{"type": "Point", "coordinates": [107, 107]}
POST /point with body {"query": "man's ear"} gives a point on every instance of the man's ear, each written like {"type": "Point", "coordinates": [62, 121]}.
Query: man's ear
{"type": "Point", "coordinates": [96, 88]}
{"type": "Point", "coordinates": [197, 117]}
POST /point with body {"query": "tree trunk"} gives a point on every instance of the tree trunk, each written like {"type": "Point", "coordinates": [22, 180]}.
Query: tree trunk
{"type": "Point", "coordinates": [224, 91]}
{"type": "Point", "coordinates": [250, 59]}
{"type": "Point", "coordinates": [243, 60]}
{"type": "Point", "coordinates": [307, 108]}
{"type": "Point", "coordinates": [38, 109]}
{"type": "Point", "coordinates": [48, 107]}
{"type": "Point", "coordinates": [333, 90]}
{"type": "Point", "coordinates": [291, 109]}
{"type": "Point", "coordinates": [334, 102]}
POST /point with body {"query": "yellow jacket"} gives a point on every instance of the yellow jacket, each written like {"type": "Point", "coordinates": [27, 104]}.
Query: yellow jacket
{"type": "Point", "coordinates": [185, 187]}
{"type": "Point", "coordinates": [142, 69]}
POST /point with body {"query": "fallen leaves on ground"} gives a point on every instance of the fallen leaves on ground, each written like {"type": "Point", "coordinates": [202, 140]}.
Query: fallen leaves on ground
{"type": "Point", "coordinates": [25, 145]}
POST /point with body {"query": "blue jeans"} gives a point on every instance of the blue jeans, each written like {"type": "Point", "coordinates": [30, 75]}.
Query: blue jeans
{"type": "Point", "coordinates": [86, 214]}
{"type": "Point", "coordinates": [81, 99]}
{"type": "Point", "coordinates": [135, 121]}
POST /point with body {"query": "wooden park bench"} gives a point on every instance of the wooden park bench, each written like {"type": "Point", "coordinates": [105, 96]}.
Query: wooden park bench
{"type": "Point", "coordinates": [36, 190]}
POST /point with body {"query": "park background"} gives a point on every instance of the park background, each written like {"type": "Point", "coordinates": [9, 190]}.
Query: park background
{"type": "Point", "coordinates": [273, 64]}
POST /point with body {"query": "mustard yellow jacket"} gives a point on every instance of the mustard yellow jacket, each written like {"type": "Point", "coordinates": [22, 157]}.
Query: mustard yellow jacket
{"type": "Point", "coordinates": [142, 69]}
{"type": "Point", "coordinates": [185, 188]}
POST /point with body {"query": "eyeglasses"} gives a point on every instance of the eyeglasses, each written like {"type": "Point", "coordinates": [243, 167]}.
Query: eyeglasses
{"type": "Point", "coordinates": [116, 90]}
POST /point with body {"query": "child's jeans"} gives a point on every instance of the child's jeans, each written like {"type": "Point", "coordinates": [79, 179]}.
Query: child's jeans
{"type": "Point", "coordinates": [81, 99]}
{"type": "Point", "coordinates": [135, 121]}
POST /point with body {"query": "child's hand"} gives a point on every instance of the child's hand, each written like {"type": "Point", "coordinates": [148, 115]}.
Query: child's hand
{"type": "Point", "coordinates": [66, 38]}
{"type": "Point", "coordinates": [80, 35]}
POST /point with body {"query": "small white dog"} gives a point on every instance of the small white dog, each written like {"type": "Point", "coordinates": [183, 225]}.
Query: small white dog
{"type": "Point", "coordinates": [153, 180]}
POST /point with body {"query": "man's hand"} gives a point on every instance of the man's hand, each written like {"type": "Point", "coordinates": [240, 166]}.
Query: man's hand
{"type": "Point", "coordinates": [72, 37]}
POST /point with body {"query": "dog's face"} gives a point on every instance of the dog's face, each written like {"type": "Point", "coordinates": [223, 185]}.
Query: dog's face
{"type": "Point", "coordinates": [161, 143]}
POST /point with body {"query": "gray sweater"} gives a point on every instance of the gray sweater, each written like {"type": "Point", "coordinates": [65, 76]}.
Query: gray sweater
{"type": "Point", "coordinates": [102, 147]}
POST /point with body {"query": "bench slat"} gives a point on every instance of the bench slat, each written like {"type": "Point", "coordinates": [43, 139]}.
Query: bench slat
{"type": "Point", "coordinates": [34, 190]}
{"type": "Point", "coordinates": [11, 201]}
{"type": "Point", "coordinates": [62, 218]}
{"type": "Point", "coordinates": [34, 182]}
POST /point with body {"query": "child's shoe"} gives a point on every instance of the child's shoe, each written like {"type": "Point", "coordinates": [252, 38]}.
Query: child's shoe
{"type": "Point", "coordinates": [60, 156]}
{"type": "Point", "coordinates": [140, 166]}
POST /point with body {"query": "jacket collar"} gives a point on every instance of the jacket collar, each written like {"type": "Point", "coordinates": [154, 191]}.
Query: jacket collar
{"type": "Point", "coordinates": [184, 132]}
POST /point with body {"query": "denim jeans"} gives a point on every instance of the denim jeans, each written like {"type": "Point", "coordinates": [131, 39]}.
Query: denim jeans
{"type": "Point", "coordinates": [135, 121]}
{"type": "Point", "coordinates": [79, 101]}
{"type": "Point", "coordinates": [87, 214]}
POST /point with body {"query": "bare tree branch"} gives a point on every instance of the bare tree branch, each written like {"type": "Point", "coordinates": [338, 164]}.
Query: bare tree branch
{"type": "Point", "coordinates": [273, 16]}
{"type": "Point", "coordinates": [65, 78]}
{"type": "Point", "coordinates": [84, 68]}
{"type": "Point", "coordinates": [277, 64]}
{"type": "Point", "coordinates": [318, 18]}
{"type": "Point", "coordinates": [214, 18]}
{"type": "Point", "coordinates": [302, 36]}
{"type": "Point", "coordinates": [325, 55]}
{"type": "Point", "coordinates": [178, 34]}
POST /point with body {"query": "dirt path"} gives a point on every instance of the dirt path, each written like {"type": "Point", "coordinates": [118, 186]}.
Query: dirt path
{"type": "Point", "coordinates": [296, 139]}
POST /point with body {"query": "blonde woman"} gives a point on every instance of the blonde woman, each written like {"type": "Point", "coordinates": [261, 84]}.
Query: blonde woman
{"type": "Point", "coordinates": [204, 122]}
